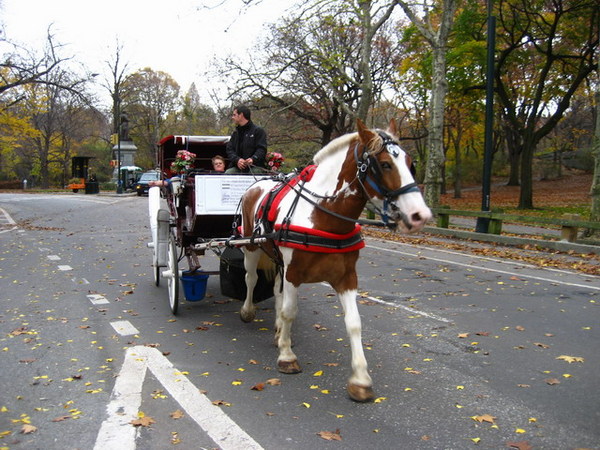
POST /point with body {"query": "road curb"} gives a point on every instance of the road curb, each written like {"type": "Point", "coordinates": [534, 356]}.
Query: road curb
{"type": "Point", "coordinates": [562, 246]}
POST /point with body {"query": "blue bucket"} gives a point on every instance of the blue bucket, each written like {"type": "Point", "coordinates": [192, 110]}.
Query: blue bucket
{"type": "Point", "coordinates": [194, 285]}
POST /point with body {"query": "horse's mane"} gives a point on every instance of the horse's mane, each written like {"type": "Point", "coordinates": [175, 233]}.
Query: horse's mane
{"type": "Point", "coordinates": [342, 142]}
{"type": "Point", "coordinates": [334, 146]}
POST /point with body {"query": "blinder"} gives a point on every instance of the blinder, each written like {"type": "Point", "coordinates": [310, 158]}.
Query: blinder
{"type": "Point", "coordinates": [369, 169]}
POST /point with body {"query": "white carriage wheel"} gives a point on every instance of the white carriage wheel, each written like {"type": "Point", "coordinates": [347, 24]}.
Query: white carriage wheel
{"type": "Point", "coordinates": [173, 275]}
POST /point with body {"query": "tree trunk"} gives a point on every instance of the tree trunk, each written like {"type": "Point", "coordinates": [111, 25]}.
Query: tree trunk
{"type": "Point", "coordinates": [513, 175]}
{"type": "Point", "coordinates": [435, 157]}
{"type": "Point", "coordinates": [526, 193]}
{"type": "Point", "coordinates": [595, 189]}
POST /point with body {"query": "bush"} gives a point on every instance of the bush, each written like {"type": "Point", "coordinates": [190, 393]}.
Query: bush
{"type": "Point", "coordinates": [11, 184]}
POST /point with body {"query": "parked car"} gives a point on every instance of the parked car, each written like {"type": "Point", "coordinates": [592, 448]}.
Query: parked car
{"type": "Point", "coordinates": [141, 187]}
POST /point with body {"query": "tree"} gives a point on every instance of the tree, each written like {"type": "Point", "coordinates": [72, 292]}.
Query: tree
{"type": "Point", "coordinates": [149, 98]}
{"type": "Point", "coordinates": [546, 50]}
{"type": "Point", "coordinates": [20, 67]}
{"type": "Point", "coordinates": [435, 26]}
{"type": "Point", "coordinates": [61, 120]}
{"type": "Point", "coordinates": [326, 65]}
{"type": "Point", "coordinates": [198, 119]}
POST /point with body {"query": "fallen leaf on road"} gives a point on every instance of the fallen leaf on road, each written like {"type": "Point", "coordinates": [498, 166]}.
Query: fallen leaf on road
{"type": "Point", "coordinates": [522, 445]}
{"type": "Point", "coordinates": [330, 435]}
{"type": "Point", "coordinates": [177, 414]}
{"type": "Point", "coordinates": [27, 429]}
{"type": "Point", "coordinates": [552, 381]}
{"type": "Point", "coordinates": [484, 418]}
{"type": "Point", "coordinates": [145, 421]}
{"type": "Point", "coordinates": [571, 359]}
{"type": "Point", "coordinates": [274, 381]}
{"type": "Point", "coordinates": [258, 387]}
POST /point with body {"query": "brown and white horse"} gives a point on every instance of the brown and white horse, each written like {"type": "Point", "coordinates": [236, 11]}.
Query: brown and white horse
{"type": "Point", "coordinates": [315, 237]}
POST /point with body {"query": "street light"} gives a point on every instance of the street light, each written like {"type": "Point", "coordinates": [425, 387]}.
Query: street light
{"type": "Point", "coordinates": [483, 222]}
{"type": "Point", "coordinates": [117, 118]}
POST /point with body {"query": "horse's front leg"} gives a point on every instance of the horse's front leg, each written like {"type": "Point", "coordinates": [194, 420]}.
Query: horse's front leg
{"type": "Point", "coordinates": [287, 309]}
{"type": "Point", "coordinates": [251, 258]}
{"type": "Point", "coordinates": [360, 383]}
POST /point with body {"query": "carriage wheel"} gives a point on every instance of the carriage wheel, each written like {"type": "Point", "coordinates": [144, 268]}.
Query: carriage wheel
{"type": "Point", "coordinates": [172, 276]}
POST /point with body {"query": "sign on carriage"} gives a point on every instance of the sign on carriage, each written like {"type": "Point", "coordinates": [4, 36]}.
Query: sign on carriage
{"type": "Point", "coordinates": [220, 194]}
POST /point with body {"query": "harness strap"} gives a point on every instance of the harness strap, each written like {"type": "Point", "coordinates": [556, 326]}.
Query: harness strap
{"type": "Point", "coordinates": [318, 241]}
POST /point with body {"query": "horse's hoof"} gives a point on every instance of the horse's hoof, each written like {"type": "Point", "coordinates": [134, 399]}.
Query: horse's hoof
{"type": "Point", "coordinates": [360, 393]}
{"type": "Point", "coordinates": [247, 316]}
{"type": "Point", "coordinates": [289, 367]}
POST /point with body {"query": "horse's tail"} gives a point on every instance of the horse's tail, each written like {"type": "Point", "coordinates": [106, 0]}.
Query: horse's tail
{"type": "Point", "coordinates": [267, 265]}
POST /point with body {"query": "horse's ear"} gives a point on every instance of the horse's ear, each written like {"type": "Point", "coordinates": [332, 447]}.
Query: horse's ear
{"type": "Point", "coordinates": [366, 135]}
{"type": "Point", "coordinates": [393, 128]}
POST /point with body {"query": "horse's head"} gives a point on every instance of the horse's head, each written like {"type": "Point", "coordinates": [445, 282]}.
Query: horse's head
{"type": "Point", "coordinates": [387, 176]}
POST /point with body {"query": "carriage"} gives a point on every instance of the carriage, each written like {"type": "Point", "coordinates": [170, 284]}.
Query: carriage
{"type": "Point", "coordinates": [198, 214]}
{"type": "Point", "coordinates": [301, 228]}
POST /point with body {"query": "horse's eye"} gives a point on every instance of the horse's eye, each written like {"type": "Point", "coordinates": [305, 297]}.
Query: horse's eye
{"type": "Point", "coordinates": [386, 165]}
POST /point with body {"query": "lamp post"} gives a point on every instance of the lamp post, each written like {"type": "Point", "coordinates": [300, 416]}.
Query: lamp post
{"type": "Point", "coordinates": [483, 222]}
{"type": "Point", "coordinates": [117, 118]}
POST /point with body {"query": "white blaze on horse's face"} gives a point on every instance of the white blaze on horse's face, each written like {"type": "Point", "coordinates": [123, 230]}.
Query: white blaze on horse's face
{"type": "Point", "coordinates": [408, 210]}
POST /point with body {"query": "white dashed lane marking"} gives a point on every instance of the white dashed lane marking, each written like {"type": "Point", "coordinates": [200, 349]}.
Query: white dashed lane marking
{"type": "Point", "coordinates": [124, 328]}
{"type": "Point", "coordinates": [97, 299]}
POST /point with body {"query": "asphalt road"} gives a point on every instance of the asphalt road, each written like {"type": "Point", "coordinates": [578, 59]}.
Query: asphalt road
{"type": "Point", "coordinates": [464, 351]}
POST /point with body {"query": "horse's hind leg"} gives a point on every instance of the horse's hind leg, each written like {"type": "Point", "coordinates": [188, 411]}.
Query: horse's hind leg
{"type": "Point", "coordinates": [360, 383]}
{"type": "Point", "coordinates": [251, 258]}
{"type": "Point", "coordinates": [287, 308]}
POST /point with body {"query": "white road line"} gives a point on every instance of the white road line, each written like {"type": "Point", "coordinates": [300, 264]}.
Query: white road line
{"type": "Point", "coordinates": [64, 268]}
{"type": "Point", "coordinates": [410, 310]}
{"type": "Point", "coordinates": [5, 219]}
{"type": "Point", "coordinates": [97, 299]}
{"type": "Point", "coordinates": [396, 305]}
{"type": "Point", "coordinates": [126, 398]}
{"type": "Point", "coordinates": [488, 269]}
{"type": "Point", "coordinates": [124, 327]}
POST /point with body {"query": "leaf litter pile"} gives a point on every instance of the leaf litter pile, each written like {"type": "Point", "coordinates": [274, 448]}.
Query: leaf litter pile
{"type": "Point", "coordinates": [572, 189]}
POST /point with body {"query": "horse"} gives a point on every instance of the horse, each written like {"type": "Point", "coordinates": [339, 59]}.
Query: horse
{"type": "Point", "coordinates": [311, 225]}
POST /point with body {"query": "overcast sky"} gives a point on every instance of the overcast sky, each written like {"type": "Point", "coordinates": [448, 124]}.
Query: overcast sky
{"type": "Point", "coordinates": [179, 37]}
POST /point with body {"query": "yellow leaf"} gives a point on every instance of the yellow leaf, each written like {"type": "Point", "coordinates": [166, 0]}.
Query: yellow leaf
{"type": "Point", "coordinates": [306, 405]}
{"type": "Point", "coordinates": [476, 440]}
{"type": "Point", "coordinates": [567, 375]}
{"type": "Point", "coordinates": [314, 386]}
{"type": "Point", "coordinates": [379, 399]}
{"type": "Point", "coordinates": [318, 373]}
{"type": "Point", "coordinates": [325, 391]}
{"type": "Point", "coordinates": [460, 388]}
{"type": "Point", "coordinates": [571, 359]}
{"type": "Point", "coordinates": [532, 420]}
{"type": "Point", "coordinates": [520, 431]}
{"type": "Point", "coordinates": [236, 382]}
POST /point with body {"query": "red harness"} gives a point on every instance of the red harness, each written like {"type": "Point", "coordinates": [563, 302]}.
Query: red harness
{"type": "Point", "coordinates": [294, 236]}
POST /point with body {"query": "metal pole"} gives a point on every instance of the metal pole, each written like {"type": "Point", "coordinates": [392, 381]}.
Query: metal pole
{"type": "Point", "coordinates": [482, 222]}
{"type": "Point", "coordinates": [119, 180]}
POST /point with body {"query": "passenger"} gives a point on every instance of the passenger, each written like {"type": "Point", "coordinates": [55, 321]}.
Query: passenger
{"type": "Point", "coordinates": [218, 163]}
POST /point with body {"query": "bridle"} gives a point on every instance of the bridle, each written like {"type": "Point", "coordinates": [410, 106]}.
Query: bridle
{"type": "Point", "coordinates": [369, 172]}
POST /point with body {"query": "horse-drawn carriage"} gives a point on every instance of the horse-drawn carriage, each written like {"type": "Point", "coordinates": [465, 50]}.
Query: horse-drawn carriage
{"type": "Point", "coordinates": [305, 227]}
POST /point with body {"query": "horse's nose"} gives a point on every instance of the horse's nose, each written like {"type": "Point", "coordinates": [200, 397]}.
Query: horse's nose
{"type": "Point", "coordinates": [420, 218]}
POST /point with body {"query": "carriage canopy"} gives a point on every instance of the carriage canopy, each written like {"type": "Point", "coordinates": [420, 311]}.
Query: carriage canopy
{"type": "Point", "coordinates": [205, 148]}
